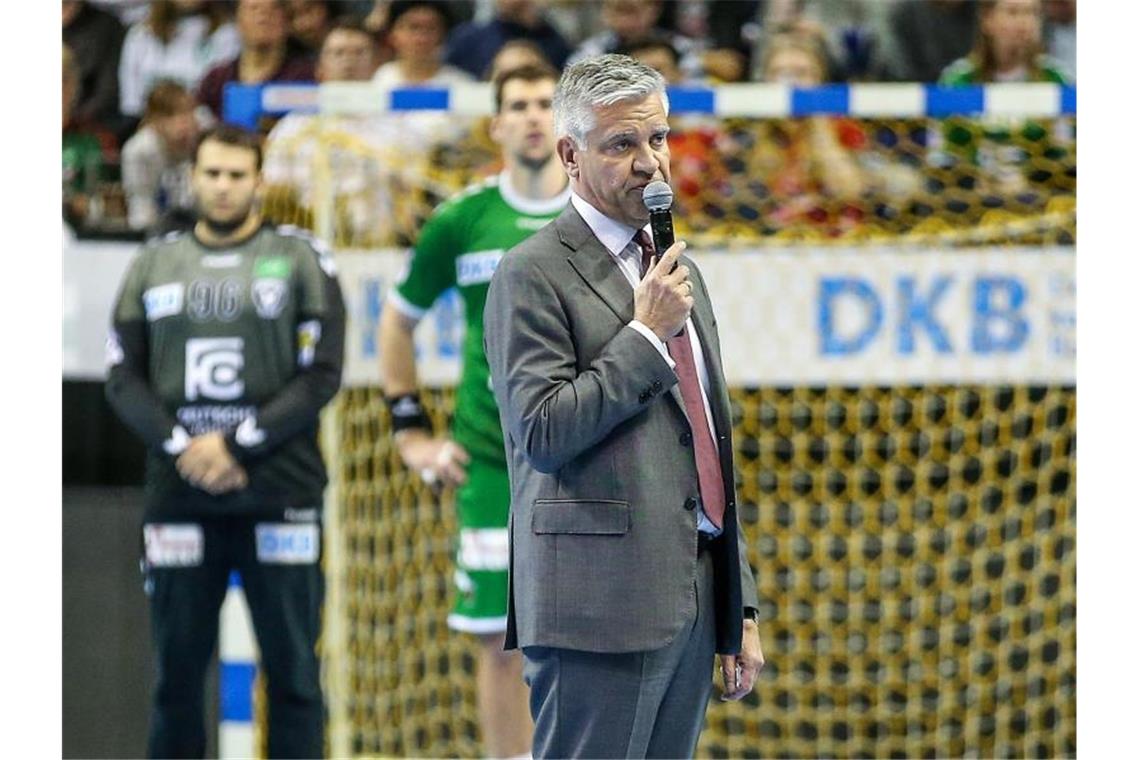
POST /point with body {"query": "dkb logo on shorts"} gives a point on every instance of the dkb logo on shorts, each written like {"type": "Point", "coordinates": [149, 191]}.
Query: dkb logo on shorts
{"type": "Point", "coordinates": [213, 369]}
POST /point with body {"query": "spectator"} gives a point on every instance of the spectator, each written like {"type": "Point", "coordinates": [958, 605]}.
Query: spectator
{"type": "Point", "coordinates": [856, 34]}
{"type": "Point", "coordinates": [1007, 47]}
{"type": "Point", "coordinates": [86, 150]}
{"type": "Point", "coordinates": [127, 11]}
{"type": "Point", "coordinates": [1061, 35]}
{"type": "Point", "coordinates": [631, 21]}
{"type": "Point", "coordinates": [657, 53]}
{"type": "Point", "coordinates": [309, 22]}
{"type": "Point", "coordinates": [157, 160]}
{"type": "Point", "coordinates": [264, 30]}
{"type": "Point", "coordinates": [180, 40]}
{"type": "Point", "coordinates": [728, 27]}
{"type": "Point", "coordinates": [417, 30]}
{"type": "Point", "coordinates": [929, 35]}
{"type": "Point", "coordinates": [364, 150]}
{"type": "Point", "coordinates": [473, 45]}
{"type": "Point", "coordinates": [808, 165]}
{"type": "Point", "coordinates": [95, 38]}
{"type": "Point", "coordinates": [515, 54]}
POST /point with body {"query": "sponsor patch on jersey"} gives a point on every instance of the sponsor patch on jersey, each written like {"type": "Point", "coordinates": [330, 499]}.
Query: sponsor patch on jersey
{"type": "Point", "coordinates": [163, 301]}
{"type": "Point", "coordinates": [213, 369]}
{"type": "Point", "coordinates": [173, 544]}
{"type": "Point", "coordinates": [484, 549]}
{"type": "Point", "coordinates": [476, 267]}
{"type": "Point", "coordinates": [221, 260]}
{"type": "Point", "coordinates": [269, 296]}
{"type": "Point", "coordinates": [287, 543]}
{"type": "Point", "coordinates": [272, 266]}
{"type": "Point", "coordinates": [308, 335]}
{"type": "Point", "coordinates": [207, 418]}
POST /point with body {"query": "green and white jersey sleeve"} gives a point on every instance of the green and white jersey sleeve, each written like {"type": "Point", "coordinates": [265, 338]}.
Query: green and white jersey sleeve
{"type": "Point", "coordinates": [460, 246]}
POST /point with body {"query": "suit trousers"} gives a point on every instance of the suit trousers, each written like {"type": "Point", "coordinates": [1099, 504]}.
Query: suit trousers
{"type": "Point", "coordinates": [630, 704]}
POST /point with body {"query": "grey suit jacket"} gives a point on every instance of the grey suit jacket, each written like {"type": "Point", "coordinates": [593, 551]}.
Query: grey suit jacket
{"type": "Point", "coordinates": [603, 525]}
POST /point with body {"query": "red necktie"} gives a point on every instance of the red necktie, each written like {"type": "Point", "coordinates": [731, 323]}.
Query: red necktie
{"type": "Point", "coordinates": [708, 461]}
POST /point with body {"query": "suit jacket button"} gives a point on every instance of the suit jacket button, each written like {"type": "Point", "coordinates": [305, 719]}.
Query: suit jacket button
{"type": "Point", "coordinates": [691, 503]}
{"type": "Point", "coordinates": [656, 386]}
{"type": "Point", "coordinates": [686, 438]}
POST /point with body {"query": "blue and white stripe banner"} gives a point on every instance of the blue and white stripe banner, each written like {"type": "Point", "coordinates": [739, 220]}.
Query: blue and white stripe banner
{"type": "Point", "coordinates": [243, 104]}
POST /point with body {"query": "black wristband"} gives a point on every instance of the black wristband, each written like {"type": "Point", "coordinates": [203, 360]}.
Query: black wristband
{"type": "Point", "coordinates": [407, 412]}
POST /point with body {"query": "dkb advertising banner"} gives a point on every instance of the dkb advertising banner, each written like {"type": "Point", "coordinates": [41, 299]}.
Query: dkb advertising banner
{"type": "Point", "coordinates": [786, 317]}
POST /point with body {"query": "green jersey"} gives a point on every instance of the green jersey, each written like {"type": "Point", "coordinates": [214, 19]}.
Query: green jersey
{"type": "Point", "coordinates": [460, 246]}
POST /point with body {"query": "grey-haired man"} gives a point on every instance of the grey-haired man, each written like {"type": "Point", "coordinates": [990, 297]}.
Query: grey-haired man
{"type": "Point", "coordinates": [628, 571]}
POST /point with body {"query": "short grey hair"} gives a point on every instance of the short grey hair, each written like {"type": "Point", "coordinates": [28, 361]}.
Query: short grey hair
{"type": "Point", "coordinates": [597, 82]}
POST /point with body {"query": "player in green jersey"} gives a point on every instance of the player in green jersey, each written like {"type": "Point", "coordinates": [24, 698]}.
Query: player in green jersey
{"type": "Point", "coordinates": [460, 246]}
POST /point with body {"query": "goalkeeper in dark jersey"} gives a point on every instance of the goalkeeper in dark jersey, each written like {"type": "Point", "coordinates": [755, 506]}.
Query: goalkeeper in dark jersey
{"type": "Point", "coordinates": [226, 343]}
{"type": "Point", "coordinates": [459, 246]}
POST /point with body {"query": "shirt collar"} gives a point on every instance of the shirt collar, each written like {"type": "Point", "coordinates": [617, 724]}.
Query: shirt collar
{"type": "Point", "coordinates": [533, 207]}
{"type": "Point", "coordinates": [614, 235]}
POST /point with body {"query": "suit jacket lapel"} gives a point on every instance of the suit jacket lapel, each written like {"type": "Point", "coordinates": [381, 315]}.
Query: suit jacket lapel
{"type": "Point", "coordinates": [597, 267]}
{"type": "Point", "coordinates": [595, 264]}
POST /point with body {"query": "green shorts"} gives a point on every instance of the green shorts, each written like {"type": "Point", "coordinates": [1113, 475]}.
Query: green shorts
{"type": "Point", "coordinates": [483, 551]}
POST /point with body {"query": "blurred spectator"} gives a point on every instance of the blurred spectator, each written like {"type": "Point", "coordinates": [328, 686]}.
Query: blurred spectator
{"type": "Point", "coordinates": [127, 11]}
{"type": "Point", "coordinates": [657, 53]}
{"type": "Point", "coordinates": [930, 34]}
{"type": "Point", "coordinates": [858, 43]}
{"type": "Point", "coordinates": [180, 40]}
{"type": "Point", "coordinates": [472, 45]}
{"type": "Point", "coordinates": [1007, 47]}
{"type": "Point", "coordinates": [628, 22]}
{"type": "Point", "coordinates": [360, 149]}
{"type": "Point", "coordinates": [727, 28]}
{"type": "Point", "coordinates": [1061, 35]}
{"type": "Point", "coordinates": [1011, 154]}
{"type": "Point", "coordinates": [309, 22]}
{"type": "Point", "coordinates": [95, 38]}
{"type": "Point", "coordinates": [515, 54]}
{"type": "Point", "coordinates": [264, 30]}
{"type": "Point", "coordinates": [416, 31]}
{"type": "Point", "coordinates": [808, 165]}
{"type": "Point", "coordinates": [86, 150]}
{"type": "Point", "coordinates": [157, 160]}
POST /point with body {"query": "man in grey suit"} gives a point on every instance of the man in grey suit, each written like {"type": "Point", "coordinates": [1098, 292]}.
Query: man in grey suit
{"type": "Point", "coordinates": [627, 567]}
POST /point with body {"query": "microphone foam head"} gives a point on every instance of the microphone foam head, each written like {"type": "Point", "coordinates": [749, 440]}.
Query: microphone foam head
{"type": "Point", "coordinates": [657, 196]}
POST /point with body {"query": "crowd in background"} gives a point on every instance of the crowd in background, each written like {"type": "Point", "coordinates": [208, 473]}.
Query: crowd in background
{"type": "Point", "coordinates": [141, 78]}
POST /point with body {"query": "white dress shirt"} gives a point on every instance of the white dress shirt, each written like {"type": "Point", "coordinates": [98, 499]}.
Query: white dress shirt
{"type": "Point", "coordinates": [618, 240]}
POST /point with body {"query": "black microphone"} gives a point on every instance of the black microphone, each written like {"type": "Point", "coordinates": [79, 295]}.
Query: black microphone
{"type": "Point", "coordinates": [658, 198]}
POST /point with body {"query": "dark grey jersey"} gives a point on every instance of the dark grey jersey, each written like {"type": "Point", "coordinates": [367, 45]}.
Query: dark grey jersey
{"type": "Point", "coordinates": [247, 340]}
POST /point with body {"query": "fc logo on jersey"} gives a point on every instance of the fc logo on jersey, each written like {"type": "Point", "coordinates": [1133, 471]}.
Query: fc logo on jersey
{"type": "Point", "coordinates": [213, 369]}
{"type": "Point", "coordinates": [269, 296]}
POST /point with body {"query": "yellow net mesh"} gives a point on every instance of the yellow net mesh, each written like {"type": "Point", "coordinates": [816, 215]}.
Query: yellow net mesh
{"type": "Point", "coordinates": [915, 556]}
{"type": "Point", "coordinates": [914, 546]}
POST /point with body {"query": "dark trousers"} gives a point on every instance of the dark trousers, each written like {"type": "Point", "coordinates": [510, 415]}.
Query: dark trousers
{"type": "Point", "coordinates": [628, 705]}
{"type": "Point", "coordinates": [187, 564]}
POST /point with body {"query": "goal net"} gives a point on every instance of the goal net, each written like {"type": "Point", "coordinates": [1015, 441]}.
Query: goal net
{"type": "Point", "coordinates": [892, 266]}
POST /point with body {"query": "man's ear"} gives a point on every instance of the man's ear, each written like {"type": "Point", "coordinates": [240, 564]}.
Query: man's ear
{"type": "Point", "coordinates": [493, 129]}
{"type": "Point", "coordinates": [568, 154]}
